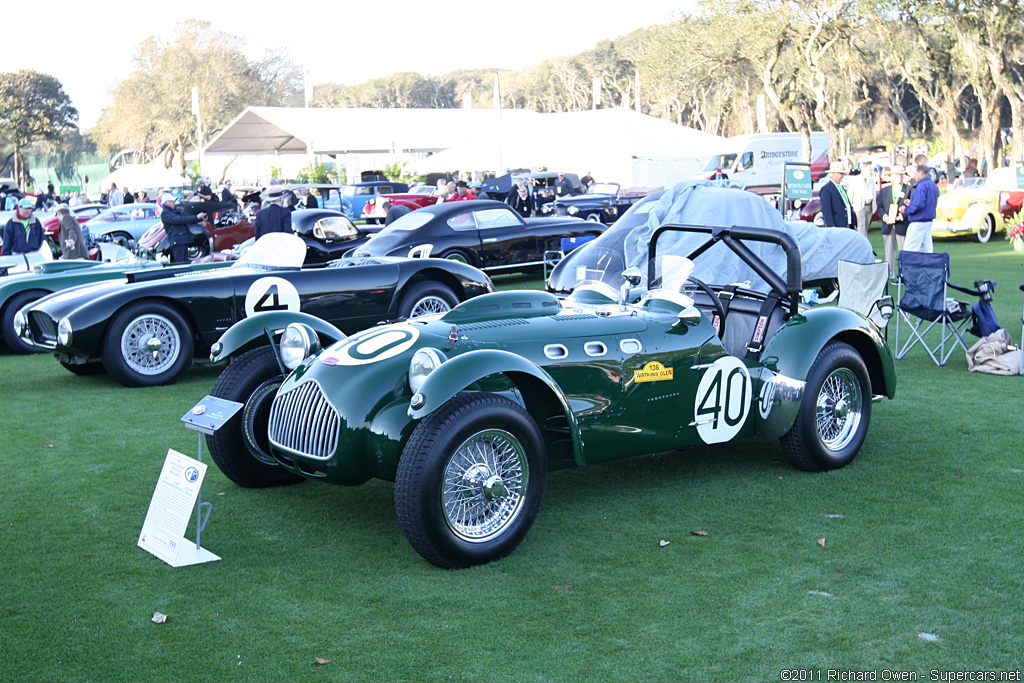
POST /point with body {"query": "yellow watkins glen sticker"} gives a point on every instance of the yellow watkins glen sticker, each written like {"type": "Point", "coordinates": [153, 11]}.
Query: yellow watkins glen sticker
{"type": "Point", "coordinates": [652, 372]}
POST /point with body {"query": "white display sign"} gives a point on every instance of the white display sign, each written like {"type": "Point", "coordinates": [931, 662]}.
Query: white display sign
{"type": "Point", "coordinates": [163, 532]}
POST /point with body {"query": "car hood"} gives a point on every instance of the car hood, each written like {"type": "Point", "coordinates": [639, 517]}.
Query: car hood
{"type": "Point", "coordinates": [584, 199]}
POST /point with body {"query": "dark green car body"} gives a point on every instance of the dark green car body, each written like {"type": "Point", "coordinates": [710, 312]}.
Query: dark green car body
{"type": "Point", "coordinates": [466, 411]}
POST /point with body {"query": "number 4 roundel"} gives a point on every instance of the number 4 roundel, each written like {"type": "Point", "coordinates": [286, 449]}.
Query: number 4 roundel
{"type": "Point", "coordinates": [271, 294]}
{"type": "Point", "coordinates": [723, 400]}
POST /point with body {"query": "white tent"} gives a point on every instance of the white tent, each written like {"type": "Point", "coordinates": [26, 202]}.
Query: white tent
{"type": "Point", "coordinates": [612, 144]}
{"type": "Point", "coordinates": [316, 130]}
{"type": "Point", "coordinates": [143, 177]}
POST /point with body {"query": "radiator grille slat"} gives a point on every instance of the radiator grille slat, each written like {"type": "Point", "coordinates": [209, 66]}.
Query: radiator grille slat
{"type": "Point", "coordinates": [304, 422]}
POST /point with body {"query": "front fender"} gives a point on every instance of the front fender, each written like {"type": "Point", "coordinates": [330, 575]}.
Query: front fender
{"type": "Point", "coordinates": [268, 326]}
{"type": "Point", "coordinates": [542, 396]}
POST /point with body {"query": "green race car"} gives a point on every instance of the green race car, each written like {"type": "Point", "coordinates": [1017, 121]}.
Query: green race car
{"type": "Point", "coordinates": [467, 411]}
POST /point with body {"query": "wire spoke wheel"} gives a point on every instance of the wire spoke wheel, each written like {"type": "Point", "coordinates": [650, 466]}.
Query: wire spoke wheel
{"type": "Point", "coordinates": [838, 409]}
{"type": "Point", "coordinates": [482, 489]}
{"type": "Point", "coordinates": [429, 305]}
{"type": "Point", "coordinates": [150, 344]}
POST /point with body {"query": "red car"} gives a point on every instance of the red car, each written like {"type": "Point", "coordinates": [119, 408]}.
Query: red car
{"type": "Point", "coordinates": [82, 213]}
{"type": "Point", "coordinates": [416, 198]}
{"type": "Point", "coordinates": [227, 228]}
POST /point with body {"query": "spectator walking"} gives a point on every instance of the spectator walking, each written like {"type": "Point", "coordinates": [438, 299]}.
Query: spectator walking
{"type": "Point", "coordinates": [522, 203]}
{"type": "Point", "coordinates": [308, 200]}
{"type": "Point", "coordinates": [203, 191]}
{"type": "Point", "coordinates": [863, 194]}
{"type": "Point", "coordinates": [23, 234]}
{"type": "Point", "coordinates": [176, 224]}
{"type": "Point", "coordinates": [72, 242]}
{"type": "Point", "coordinates": [225, 193]}
{"type": "Point", "coordinates": [129, 198]}
{"type": "Point", "coordinates": [520, 182]}
{"type": "Point", "coordinates": [563, 187]}
{"type": "Point", "coordinates": [114, 196]}
{"type": "Point", "coordinates": [273, 217]}
{"type": "Point", "coordinates": [461, 193]}
{"type": "Point", "coordinates": [836, 210]}
{"type": "Point", "coordinates": [920, 211]}
{"type": "Point", "coordinates": [894, 221]}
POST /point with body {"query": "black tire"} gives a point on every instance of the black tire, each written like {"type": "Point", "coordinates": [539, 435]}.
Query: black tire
{"type": "Point", "coordinates": [83, 369]}
{"type": "Point", "coordinates": [197, 251]}
{"type": "Point", "coordinates": [127, 355]}
{"type": "Point", "coordinates": [457, 256]}
{"type": "Point", "coordinates": [838, 391]}
{"type": "Point", "coordinates": [458, 446]}
{"type": "Point", "coordinates": [14, 304]}
{"type": "Point", "coordinates": [121, 237]}
{"type": "Point", "coordinates": [426, 297]}
{"type": "Point", "coordinates": [594, 217]}
{"type": "Point", "coordinates": [988, 228]}
{"type": "Point", "coordinates": [241, 448]}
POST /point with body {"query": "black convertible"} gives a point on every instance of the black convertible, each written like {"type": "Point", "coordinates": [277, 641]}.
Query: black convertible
{"type": "Point", "coordinates": [149, 328]}
{"type": "Point", "coordinates": [483, 233]}
{"type": "Point", "coordinates": [602, 203]}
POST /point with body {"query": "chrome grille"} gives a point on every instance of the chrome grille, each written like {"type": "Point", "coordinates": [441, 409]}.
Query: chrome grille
{"type": "Point", "coordinates": [44, 329]}
{"type": "Point", "coordinates": [304, 422]}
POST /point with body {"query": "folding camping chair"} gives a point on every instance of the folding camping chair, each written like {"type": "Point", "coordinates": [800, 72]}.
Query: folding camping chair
{"type": "Point", "coordinates": [864, 287]}
{"type": "Point", "coordinates": [924, 304]}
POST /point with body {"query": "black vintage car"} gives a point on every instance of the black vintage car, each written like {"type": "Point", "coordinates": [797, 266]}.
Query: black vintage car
{"type": "Point", "coordinates": [601, 203]}
{"type": "Point", "coordinates": [498, 188]}
{"type": "Point", "coordinates": [483, 233]}
{"type": "Point", "coordinates": [148, 328]}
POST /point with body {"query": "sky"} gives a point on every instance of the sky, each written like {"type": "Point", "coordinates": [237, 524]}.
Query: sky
{"type": "Point", "coordinates": [89, 49]}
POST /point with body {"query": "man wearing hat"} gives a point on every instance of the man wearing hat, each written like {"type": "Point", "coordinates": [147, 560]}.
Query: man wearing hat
{"type": "Point", "coordinates": [72, 242]}
{"type": "Point", "coordinates": [273, 217]}
{"type": "Point", "coordinates": [461, 193]}
{"type": "Point", "coordinates": [23, 234]}
{"type": "Point", "coordinates": [176, 224]}
{"type": "Point", "coordinates": [894, 222]}
{"type": "Point", "coordinates": [563, 188]}
{"type": "Point", "coordinates": [835, 205]}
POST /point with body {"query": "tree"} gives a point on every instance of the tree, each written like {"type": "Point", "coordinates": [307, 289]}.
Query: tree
{"type": "Point", "coordinates": [151, 108]}
{"type": "Point", "coordinates": [33, 106]}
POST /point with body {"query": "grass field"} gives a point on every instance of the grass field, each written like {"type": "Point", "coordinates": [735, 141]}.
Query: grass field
{"type": "Point", "coordinates": [920, 567]}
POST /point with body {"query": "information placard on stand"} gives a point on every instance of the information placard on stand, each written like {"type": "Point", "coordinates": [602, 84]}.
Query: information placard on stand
{"type": "Point", "coordinates": [163, 532]}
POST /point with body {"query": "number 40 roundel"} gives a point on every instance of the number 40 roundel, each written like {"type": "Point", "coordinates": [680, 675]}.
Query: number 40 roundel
{"type": "Point", "coordinates": [723, 400]}
{"type": "Point", "coordinates": [271, 294]}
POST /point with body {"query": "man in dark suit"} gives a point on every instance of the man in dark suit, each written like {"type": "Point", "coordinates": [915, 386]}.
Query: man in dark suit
{"type": "Point", "coordinates": [226, 195]}
{"type": "Point", "coordinates": [894, 222]}
{"type": "Point", "coordinates": [835, 205]}
{"type": "Point", "coordinates": [273, 217]}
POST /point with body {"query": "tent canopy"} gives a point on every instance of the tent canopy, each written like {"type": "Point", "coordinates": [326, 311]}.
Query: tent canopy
{"type": "Point", "coordinates": [604, 142]}
{"type": "Point", "coordinates": [292, 130]}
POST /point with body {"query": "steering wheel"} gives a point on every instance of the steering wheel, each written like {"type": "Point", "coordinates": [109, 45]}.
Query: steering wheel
{"type": "Point", "coordinates": [715, 301]}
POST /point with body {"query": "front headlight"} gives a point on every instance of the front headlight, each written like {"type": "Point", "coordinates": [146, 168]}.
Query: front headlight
{"type": "Point", "coordinates": [64, 332]}
{"type": "Point", "coordinates": [573, 210]}
{"type": "Point", "coordinates": [298, 343]}
{"type": "Point", "coordinates": [423, 362]}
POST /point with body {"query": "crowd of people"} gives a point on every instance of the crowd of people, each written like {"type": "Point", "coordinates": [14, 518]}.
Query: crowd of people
{"type": "Point", "coordinates": [904, 198]}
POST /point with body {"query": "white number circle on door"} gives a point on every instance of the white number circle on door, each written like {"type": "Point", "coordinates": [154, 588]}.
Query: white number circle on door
{"type": "Point", "coordinates": [271, 294]}
{"type": "Point", "coordinates": [723, 400]}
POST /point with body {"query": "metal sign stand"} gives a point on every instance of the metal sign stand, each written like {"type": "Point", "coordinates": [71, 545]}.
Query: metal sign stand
{"type": "Point", "coordinates": [206, 417]}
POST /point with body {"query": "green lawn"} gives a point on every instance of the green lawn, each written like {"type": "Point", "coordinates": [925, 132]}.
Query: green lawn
{"type": "Point", "coordinates": [922, 535]}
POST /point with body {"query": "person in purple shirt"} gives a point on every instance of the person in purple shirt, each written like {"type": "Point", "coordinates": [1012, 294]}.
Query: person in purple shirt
{"type": "Point", "coordinates": [920, 211]}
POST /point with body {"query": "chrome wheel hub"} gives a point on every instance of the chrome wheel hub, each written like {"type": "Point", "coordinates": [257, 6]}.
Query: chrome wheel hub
{"type": "Point", "coordinates": [150, 344]}
{"type": "Point", "coordinates": [484, 485]}
{"type": "Point", "coordinates": [838, 409]}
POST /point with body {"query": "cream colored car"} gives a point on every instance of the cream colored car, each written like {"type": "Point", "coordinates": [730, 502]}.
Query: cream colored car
{"type": "Point", "coordinates": [979, 206]}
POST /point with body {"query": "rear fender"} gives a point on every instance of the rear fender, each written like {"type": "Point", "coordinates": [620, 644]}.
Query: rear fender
{"type": "Point", "coordinates": [542, 397]}
{"type": "Point", "coordinates": [267, 328]}
{"type": "Point", "coordinates": [791, 352]}
{"type": "Point", "coordinates": [974, 218]}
